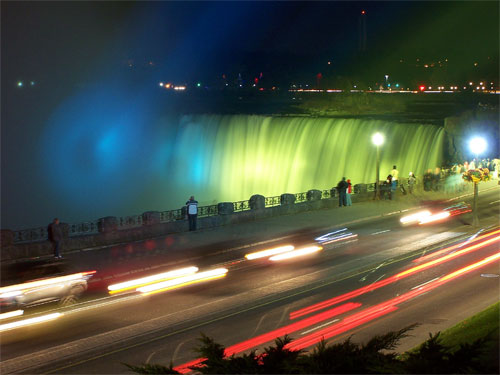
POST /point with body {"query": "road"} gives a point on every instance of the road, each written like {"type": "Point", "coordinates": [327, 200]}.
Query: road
{"type": "Point", "coordinates": [259, 299]}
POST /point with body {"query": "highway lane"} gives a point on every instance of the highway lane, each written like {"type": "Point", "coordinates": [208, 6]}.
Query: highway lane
{"type": "Point", "coordinates": [246, 283]}
{"type": "Point", "coordinates": [443, 306]}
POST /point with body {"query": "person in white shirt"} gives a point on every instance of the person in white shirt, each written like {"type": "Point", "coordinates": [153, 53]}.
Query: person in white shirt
{"type": "Point", "coordinates": [192, 212]}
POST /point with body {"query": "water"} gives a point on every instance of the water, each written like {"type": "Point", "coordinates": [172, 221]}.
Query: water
{"type": "Point", "coordinates": [123, 165]}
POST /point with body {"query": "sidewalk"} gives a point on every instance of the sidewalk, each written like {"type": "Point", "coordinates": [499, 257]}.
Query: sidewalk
{"type": "Point", "coordinates": [222, 244]}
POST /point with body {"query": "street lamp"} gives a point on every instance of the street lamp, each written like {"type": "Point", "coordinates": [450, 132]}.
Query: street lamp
{"type": "Point", "coordinates": [477, 146]}
{"type": "Point", "coordinates": [377, 140]}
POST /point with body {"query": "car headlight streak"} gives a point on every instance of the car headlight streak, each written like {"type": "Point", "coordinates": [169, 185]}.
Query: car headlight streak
{"type": "Point", "coordinates": [296, 253]}
{"type": "Point", "coordinates": [28, 322]}
{"type": "Point", "coordinates": [413, 218]}
{"type": "Point", "coordinates": [183, 281]}
{"type": "Point", "coordinates": [11, 314]}
{"type": "Point", "coordinates": [133, 284]}
{"type": "Point", "coordinates": [269, 252]}
{"type": "Point", "coordinates": [335, 236]}
{"type": "Point", "coordinates": [432, 218]}
{"type": "Point", "coordinates": [11, 290]}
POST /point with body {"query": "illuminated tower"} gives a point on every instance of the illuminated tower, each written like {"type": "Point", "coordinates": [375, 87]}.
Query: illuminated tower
{"type": "Point", "coordinates": [362, 31]}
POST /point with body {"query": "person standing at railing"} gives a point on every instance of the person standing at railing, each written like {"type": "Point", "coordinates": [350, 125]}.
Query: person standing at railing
{"type": "Point", "coordinates": [349, 191]}
{"type": "Point", "coordinates": [395, 178]}
{"type": "Point", "coordinates": [55, 236]}
{"type": "Point", "coordinates": [411, 182]}
{"type": "Point", "coordinates": [192, 212]}
{"type": "Point", "coordinates": [341, 188]}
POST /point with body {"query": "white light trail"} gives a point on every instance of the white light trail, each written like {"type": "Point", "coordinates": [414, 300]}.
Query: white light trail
{"type": "Point", "coordinates": [28, 322]}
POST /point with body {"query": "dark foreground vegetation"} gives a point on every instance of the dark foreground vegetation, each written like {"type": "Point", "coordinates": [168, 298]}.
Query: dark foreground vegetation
{"type": "Point", "coordinates": [475, 353]}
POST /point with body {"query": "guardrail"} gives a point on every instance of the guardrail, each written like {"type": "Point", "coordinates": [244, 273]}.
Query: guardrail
{"type": "Point", "coordinates": [134, 221]}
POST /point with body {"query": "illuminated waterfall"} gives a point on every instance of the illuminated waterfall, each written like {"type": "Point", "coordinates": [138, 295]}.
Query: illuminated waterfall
{"type": "Point", "coordinates": [104, 164]}
{"type": "Point", "coordinates": [237, 156]}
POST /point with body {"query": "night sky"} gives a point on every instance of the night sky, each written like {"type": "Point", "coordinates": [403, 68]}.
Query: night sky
{"type": "Point", "coordinates": [71, 48]}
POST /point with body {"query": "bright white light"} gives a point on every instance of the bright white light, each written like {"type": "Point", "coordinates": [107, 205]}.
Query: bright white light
{"type": "Point", "coordinates": [44, 282]}
{"type": "Point", "coordinates": [296, 253]}
{"type": "Point", "coordinates": [436, 217]}
{"type": "Point", "coordinates": [269, 252]}
{"type": "Point", "coordinates": [414, 217]}
{"type": "Point", "coordinates": [28, 322]}
{"type": "Point", "coordinates": [11, 314]}
{"type": "Point", "coordinates": [183, 281]}
{"type": "Point", "coordinates": [161, 84]}
{"type": "Point", "coordinates": [377, 139]}
{"type": "Point", "coordinates": [477, 145]}
{"type": "Point", "coordinates": [150, 279]}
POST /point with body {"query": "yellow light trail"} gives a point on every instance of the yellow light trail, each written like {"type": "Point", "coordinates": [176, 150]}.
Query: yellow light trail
{"type": "Point", "coordinates": [183, 281]}
{"type": "Point", "coordinates": [133, 284]}
{"type": "Point", "coordinates": [296, 253]}
{"type": "Point", "coordinates": [269, 252]}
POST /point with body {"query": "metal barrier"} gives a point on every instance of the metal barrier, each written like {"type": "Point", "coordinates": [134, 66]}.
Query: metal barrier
{"type": "Point", "coordinates": [172, 215]}
{"type": "Point", "coordinates": [206, 211]}
{"type": "Point", "coordinates": [241, 206]}
{"type": "Point", "coordinates": [273, 201]}
{"type": "Point", "coordinates": [88, 227]}
{"type": "Point", "coordinates": [127, 222]}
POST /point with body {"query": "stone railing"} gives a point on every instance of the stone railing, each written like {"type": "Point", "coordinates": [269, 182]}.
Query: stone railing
{"type": "Point", "coordinates": [111, 223]}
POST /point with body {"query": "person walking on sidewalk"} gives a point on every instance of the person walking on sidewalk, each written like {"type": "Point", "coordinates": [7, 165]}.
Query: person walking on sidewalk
{"type": "Point", "coordinates": [55, 235]}
{"type": "Point", "coordinates": [341, 188]}
{"type": "Point", "coordinates": [192, 212]}
{"type": "Point", "coordinates": [349, 191]}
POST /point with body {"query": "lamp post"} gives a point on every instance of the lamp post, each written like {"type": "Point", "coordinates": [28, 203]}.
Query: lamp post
{"type": "Point", "coordinates": [477, 146]}
{"type": "Point", "coordinates": [377, 140]}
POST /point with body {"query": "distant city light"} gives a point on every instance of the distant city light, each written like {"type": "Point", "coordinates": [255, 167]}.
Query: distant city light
{"type": "Point", "coordinates": [20, 84]}
{"type": "Point", "coordinates": [161, 84]}
{"type": "Point", "coordinates": [363, 12]}
{"type": "Point", "coordinates": [471, 83]}
{"type": "Point", "coordinates": [198, 84]}
{"type": "Point", "coordinates": [32, 83]}
{"type": "Point", "coordinates": [422, 88]}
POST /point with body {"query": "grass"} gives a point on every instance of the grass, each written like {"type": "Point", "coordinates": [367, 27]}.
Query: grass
{"type": "Point", "coordinates": [482, 325]}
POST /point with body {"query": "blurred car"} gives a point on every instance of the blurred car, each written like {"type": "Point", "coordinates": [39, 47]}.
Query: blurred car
{"type": "Point", "coordinates": [31, 283]}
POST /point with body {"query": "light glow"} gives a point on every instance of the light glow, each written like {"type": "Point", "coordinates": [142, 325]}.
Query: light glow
{"type": "Point", "coordinates": [28, 322]}
{"type": "Point", "coordinates": [132, 284]}
{"type": "Point", "coordinates": [11, 314]}
{"type": "Point", "coordinates": [44, 282]}
{"type": "Point", "coordinates": [296, 253]}
{"type": "Point", "coordinates": [432, 218]}
{"type": "Point", "coordinates": [378, 139]}
{"type": "Point", "coordinates": [477, 145]}
{"type": "Point", "coordinates": [269, 252]}
{"type": "Point", "coordinates": [413, 218]}
{"type": "Point", "coordinates": [183, 281]}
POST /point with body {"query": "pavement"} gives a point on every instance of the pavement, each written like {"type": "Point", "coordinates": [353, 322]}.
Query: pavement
{"type": "Point", "coordinates": [227, 243]}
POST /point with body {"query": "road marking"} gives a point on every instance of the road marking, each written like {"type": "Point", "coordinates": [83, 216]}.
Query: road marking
{"type": "Point", "coordinates": [383, 231]}
{"type": "Point", "coordinates": [320, 326]}
{"type": "Point", "coordinates": [495, 201]}
{"type": "Point", "coordinates": [150, 356]}
{"type": "Point", "coordinates": [489, 275]}
{"type": "Point", "coordinates": [258, 325]}
{"type": "Point", "coordinates": [427, 282]}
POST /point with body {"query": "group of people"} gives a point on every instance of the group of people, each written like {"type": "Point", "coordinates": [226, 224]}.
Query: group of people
{"type": "Point", "coordinates": [344, 187]}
